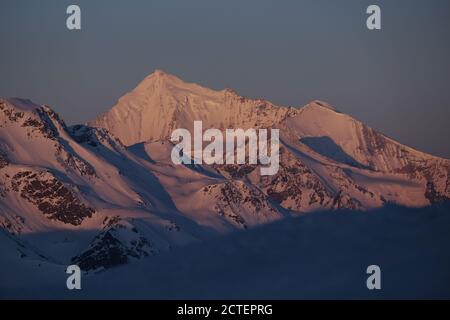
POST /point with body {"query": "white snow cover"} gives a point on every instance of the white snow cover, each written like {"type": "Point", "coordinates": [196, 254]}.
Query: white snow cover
{"type": "Point", "coordinates": [107, 193]}
{"type": "Point", "coordinates": [163, 102]}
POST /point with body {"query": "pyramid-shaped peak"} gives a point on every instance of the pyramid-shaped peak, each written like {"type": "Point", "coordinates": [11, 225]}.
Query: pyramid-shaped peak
{"type": "Point", "coordinates": [159, 72]}
{"type": "Point", "coordinates": [322, 104]}
{"type": "Point", "coordinates": [156, 81]}
{"type": "Point", "coordinates": [161, 75]}
{"type": "Point", "coordinates": [161, 82]}
{"type": "Point", "coordinates": [18, 104]}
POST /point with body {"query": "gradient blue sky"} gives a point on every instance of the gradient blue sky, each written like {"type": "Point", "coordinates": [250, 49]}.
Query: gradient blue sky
{"type": "Point", "coordinates": [397, 80]}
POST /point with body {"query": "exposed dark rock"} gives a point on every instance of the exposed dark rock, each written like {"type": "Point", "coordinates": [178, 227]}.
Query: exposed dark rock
{"type": "Point", "coordinates": [172, 226]}
{"type": "Point", "coordinates": [375, 142]}
{"type": "Point", "coordinates": [344, 201]}
{"type": "Point", "coordinates": [51, 197]}
{"type": "Point", "coordinates": [14, 225]}
{"type": "Point", "coordinates": [3, 160]}
{"type": "Point", "coordinates": [93, 137]}
{"type": "Point", "coordinates": [11, 114]}
{"type": "Point", "coordinates": [433, 195]}
{"type": "Point", "coordinates": [42, 124]}
{"type": "Point", "coordinates": [110, 248]}
{"type": "Point", "coordinates": [239, 171]}
{"type": "Point", "coordinates": [70, 161]}
{"type": "Point", "coordinates": [293, 182]}
{"type": "Point", "coordinates": [234, 197]}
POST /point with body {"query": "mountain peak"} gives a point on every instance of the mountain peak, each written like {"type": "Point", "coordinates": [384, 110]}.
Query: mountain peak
{"type": "Point", "coordinates": [163, 102]}
{"type": "Point", "coordinates": [322, 104]}
{"type": "Point", "coordinates": [19, 104]}
{"type": "Point", "coordinates": [160, 80]}
{"type": "Point", "coordinates": [162, 75]}
{"type": "Point", "coordinates": [159, 73]}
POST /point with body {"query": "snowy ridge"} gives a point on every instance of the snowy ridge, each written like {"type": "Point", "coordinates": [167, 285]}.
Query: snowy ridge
{"type": "Point", "coordinates": [108, 193]}
{"type": "Point", "coordinates": [163, 102]}
{"type": "Point", "coordinates": [59, 184]}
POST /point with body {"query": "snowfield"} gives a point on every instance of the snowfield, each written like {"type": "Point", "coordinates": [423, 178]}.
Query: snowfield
{"type": "Point", "coordinates": [322, 255]}
{"type": "Point", "coordinates": [107, 197]}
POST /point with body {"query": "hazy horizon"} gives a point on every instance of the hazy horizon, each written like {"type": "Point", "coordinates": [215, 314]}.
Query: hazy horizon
{"type": "Point", "coordinates": [395, 80]}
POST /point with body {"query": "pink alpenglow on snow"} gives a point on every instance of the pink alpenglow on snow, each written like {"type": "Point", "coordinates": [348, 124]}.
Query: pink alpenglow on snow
{"type": "Point", "coordinates": [213, 153]}
{"type": "Point", "coordinates": [174, 163]}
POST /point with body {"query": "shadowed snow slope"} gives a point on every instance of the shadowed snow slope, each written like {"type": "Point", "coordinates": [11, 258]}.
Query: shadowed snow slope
{"type": "Point", "coordinates": [321, 255]}
{"type": "Point", "coordinates": [108, 194]}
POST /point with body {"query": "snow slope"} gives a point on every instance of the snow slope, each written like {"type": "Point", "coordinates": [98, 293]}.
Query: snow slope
{"type": "Point", "coordinates": [349, 163]}
{"type": "Point", "coordinates": [62, 187]}
{"type": "Point", "coordinates": [107, 193]}
{"type": "Point", "coordinates": [318, 256]}
{"type": "Point", "coordinates": [163, 102]}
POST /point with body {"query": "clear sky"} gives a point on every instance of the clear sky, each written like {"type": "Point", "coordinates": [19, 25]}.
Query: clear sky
{"type": "Point", "coordinates": [397, 80]}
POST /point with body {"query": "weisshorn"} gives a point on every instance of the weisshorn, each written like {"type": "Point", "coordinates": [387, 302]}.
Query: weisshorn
{"type": "Point", "coordinates": [186, 152]}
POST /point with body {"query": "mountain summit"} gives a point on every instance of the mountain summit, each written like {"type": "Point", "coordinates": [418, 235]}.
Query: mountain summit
{"type": "Point", "coordinates": [108, 193]}
{"type": "Point", "coordinates": [163, 102]}
{"type": "Point", "coordinates": [161, 80]}
{"type": "Point", "coordinates": [319, 135]}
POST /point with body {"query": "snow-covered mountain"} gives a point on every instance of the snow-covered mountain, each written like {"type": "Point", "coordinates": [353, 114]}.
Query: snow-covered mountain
{"type": "Point", "coordinates": [163, 102]}
{"type": "Point", "coordinates": [108, 193]}
{"type": "Point", "coordinates": [329, 159]}
{"type": "Point", "coordinates": [65, 190]}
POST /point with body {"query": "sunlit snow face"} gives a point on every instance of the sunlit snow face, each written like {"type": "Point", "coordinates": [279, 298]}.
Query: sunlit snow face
{"type": "Point", "coordinates": [213, 153]}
